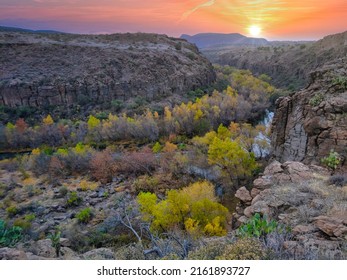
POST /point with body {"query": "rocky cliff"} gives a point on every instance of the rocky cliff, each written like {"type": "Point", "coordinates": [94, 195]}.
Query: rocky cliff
{"type": "Point", "coordinates": [312, 122]}
{"type": "Point", "coordinates": [287, 63]}
{"type": "Point", "coordinates": [65, 69]}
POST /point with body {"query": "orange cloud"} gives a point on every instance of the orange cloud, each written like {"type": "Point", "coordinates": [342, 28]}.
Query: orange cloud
{"type": "Point", "coordinates": [277, 18]}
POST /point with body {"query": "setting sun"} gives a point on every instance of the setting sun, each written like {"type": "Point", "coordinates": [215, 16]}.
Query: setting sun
{"type": "Point", "coordinates": [254, 30]}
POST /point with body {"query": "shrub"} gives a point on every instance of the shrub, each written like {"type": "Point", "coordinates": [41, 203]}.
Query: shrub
{"type": "Point", "coordinates": [169, 147]}
{"type": "Point", "coordinates": [210, 251]}
{"type": "Point", "coordinates": [339, 180]}
{"type": "Point", "coordinates": [332, 161]}
{"type": "Point", "coordinates": [130, 252]}
{"type": "Point", "coordinates": [56, 167]}
{"type": "Point", "coordinates": [316, 99]}
{"type": "Point", "coordinates": [258, 226]}
{"type": "Point", "coordinates": [138, 163]}
{"type": "Point", "coordinates": [146, 184]}
{"type": "Point", "coordinates": [340, 81]}
{"type": "Point", "coordinates": [3, 190]}
{"type": "Point", "coordinates": [84, 216]}
{"type": "Point", "coordinates": [40, 164]}
{"type": "Point", "coordinates": [55, 239]}
{"type": "Point", "coordinates": [193, 209]}
{"type": "Point", "coordinates": [63, 191]}
{"type": "Point", "coordinates": [73, 199]}
{"type": "Point", "coordinates": [12, 210]}
{"type": "Point", "coordinates": [178, 46]}
{"type": "Point", "coordinates": [244, 249]}
{"type": "Point", "coordinates": [86, 185]}
{"type": "Point", "coordinates": [157, 148]}
{"type": "Point", "coordinates": [117, 104]}
{"type": "Point", "coordinates": [102, 166]}
{"type": "Point", "coordinates": [9, 236]}
{"type": "Point", "coordinates": [24, 222]}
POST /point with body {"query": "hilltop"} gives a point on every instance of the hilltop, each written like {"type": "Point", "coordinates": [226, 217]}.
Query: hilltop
{"type": "Point", "coordinates": [68, 73]}
{"type": "Point", "coordinates": [288, 63]}
{"type": "Point", "coordinates": [217, 40]}
{"type": "Point", "coordinates": [17, 29]}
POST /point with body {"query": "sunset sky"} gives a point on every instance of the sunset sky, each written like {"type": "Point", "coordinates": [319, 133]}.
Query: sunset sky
{"type": "Point", "coordinates": [271, 19]}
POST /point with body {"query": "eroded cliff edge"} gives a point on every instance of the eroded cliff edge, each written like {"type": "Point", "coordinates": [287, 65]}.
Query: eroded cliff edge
{"type": "Point", "coordinates": [312, 122]}
{"type": "Point", "coordinates": [65, 69]}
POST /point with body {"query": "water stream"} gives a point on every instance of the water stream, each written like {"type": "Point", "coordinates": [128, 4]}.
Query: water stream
{"type": "Point", "coordinates": [259, 150]}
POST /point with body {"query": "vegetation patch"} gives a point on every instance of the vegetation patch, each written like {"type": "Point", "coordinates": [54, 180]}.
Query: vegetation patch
{"type": "Point", "coordinates": [9, 236]}
{"type": "Point", "coordinates": [317, 99]}
{"type": "Point", "coordinates": [332, 161]}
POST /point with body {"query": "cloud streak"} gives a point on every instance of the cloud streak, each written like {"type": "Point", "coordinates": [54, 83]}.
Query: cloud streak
{"type": "Point", "coordinates": [191, 11]}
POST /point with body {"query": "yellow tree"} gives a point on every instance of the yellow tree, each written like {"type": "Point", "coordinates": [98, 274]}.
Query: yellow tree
{"type": "Point", "coordinates": [234, 161]}
{"type": "Point", "coordinates": [48, 120]}
{"type": "Point", "coordinates": [193, 209]}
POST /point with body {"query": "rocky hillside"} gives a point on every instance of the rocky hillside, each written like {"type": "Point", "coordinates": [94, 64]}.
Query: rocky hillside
{"type": "Point", "coordinates": [312, 122]}
{"type": "Point", "coordinates": [45, 70]}
{"type": "Point", "coordinates": [210, 40]}
{"type": "Point", "coordinates": [289, 64]}
{"type": "Point", "coordinates": [307, 200]}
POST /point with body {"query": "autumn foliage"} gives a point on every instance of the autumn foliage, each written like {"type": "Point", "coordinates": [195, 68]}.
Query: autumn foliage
{"type": "Point", "coordinates": [194, 209]}
{"type": "Point", "coordinates": [102, 166]}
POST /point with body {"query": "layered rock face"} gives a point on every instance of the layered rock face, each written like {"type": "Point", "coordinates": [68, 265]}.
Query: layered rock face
{"type": "Point", "coordinates": [313, 121]}
{"type": "Point", "coordinates": [63, 69]}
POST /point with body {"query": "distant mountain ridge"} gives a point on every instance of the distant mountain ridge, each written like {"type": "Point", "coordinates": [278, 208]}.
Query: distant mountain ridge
{"type": "Point", "coordinates": [289, 64]}
{"type": "Point", "coordinates": [17, 29]}
{"type": "Point", "coordinates": [208, 40]}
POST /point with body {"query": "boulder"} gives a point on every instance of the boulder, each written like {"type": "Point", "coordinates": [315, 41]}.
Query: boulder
{"type": "Point", "coordinates": [43, 248]}
{"type": "Point", "coordinates": [263, 183]}
{"type": "Point", "coordinates": [244, 195]}
{"type": "Point", "coordinates": [273, 168]}
{"type": "Point", "coordinates": [99, 254]}
{"type": "Point", "coordinates": [12, 254]}
{"type": "Point", "coordinates": [303, 229]}
{"type": "Point", "coordinates": [332, 226]}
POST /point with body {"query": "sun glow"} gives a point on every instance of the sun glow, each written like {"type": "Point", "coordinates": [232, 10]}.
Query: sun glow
{"type": "Point", "coordinates": [254, 30]}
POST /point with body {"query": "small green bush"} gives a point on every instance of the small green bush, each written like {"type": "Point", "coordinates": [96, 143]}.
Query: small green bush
{"type": "Point", "coordinates": [24, 222]}
{"type": "Point", "coordinates": [9, 236]}
{"type": "Point", "coordinates": [178, 46]}
{"type": "Point", "coordinates": [258, 226]}
{"type": "Point", "coordinates": [340, 81]}
{"type": "Point", "coordinates": [316, 100]}
{"type": "Point", "coordinates": [157, 148]}
{"type": "Point", "coordinates": [84, 216]}
{"type": "Point", "coordinates": [55, 241]}
{"type": "Point", "coordinates": [332, 161]}
{"type": "Point", "coordinates": [73, 199]}
{"type": "Point", "coordinates": [63, 191]}
{"type": "Point", "coordinates": [11, 211]}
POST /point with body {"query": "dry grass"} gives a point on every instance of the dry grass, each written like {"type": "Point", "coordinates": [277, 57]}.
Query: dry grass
{"type": "Point", "coordinates": [312, 198]}
{"type": "Point", "coordinates": [86, 185]}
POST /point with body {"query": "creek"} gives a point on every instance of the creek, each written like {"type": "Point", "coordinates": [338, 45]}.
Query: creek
{"type": "Point", "coordinates": [259, 150]}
